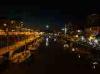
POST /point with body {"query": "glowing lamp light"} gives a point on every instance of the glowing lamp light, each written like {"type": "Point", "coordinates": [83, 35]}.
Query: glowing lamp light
{"type": "Point", "coordinates": [96, 41]}
{"type": "Point", "coordinates": [5, 24]}
{"type": "Point", "coordinates": [66, 45]}
{"type": "Point", "coordinates": [49, 36]}
{"type": "Point", "coordinates": [62, 29]}
{"type": "Point", "coordinates": [47, 26]}
{"type": "Point", "coordinates": [91, 38]}
{"type": "Point", "coordinates": [47, 41]}
{"type": "Point", "coordinates": [73, 49]}
{"type": "Point", "coordinates": [79, 56]}
{"type": "Point", "coordinates": [95, 63]}
{"type": "Point", "coordinates": [82, 38]}
{"type": "Point", "coordinates": [41, 33]}
{"type": "Point", "coordinates": [76, 36]}
{"type": "Point", "coordinates": [93, 66]}
{"type": "Point", "coordinates": [12, 30]}
{"type": "Point", "coordinates": [54, 39]}
{"type": "Point", "coordinates": [78, 30]}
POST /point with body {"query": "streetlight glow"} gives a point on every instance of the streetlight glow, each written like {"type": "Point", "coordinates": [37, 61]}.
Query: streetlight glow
{"type": "Point", "coordinates": [5, 24]}
{"type": "Point", "coordinates": [47, 26]}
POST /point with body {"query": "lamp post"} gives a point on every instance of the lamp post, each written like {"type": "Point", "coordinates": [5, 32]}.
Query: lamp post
{"type": "Point", "coordinates": [65, 30]}
{"type": "Point", "coordinates": [6, 31]}
{"type": "Point", "coordinates": [47, 39]}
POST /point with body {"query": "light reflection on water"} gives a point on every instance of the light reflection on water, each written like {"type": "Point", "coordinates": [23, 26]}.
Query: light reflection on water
{"type": "Point", "coordinates": [47, 41]}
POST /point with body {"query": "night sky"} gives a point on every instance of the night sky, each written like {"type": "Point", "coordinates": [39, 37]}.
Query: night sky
{"type": "Point", "coordinates": [48, 12]}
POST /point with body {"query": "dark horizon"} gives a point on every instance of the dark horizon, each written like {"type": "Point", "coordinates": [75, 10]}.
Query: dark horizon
{"type": "Point", "coordinates": [49, 12]}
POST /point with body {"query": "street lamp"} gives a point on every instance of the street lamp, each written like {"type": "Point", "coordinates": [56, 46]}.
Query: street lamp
{"type": "Point", "coordinates": [62, 29]}
{"type": "Point", "coordinates": [5, 25]}
{"type": "Point", "coordinates": [78, 30]}
{"type": "Point", "coordinates": [77, 36]}
{"type": "Point", "coordinates": [47, 26]}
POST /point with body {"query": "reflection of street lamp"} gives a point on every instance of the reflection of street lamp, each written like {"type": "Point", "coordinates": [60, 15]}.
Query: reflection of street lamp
{"type": "Point", "coordinates": [65, 29]}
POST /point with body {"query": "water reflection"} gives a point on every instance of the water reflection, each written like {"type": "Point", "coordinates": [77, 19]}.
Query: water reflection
{"type": "Point", "coordinates": [47, 41]}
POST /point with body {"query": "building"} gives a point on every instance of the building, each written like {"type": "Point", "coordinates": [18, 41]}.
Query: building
{"type": "Point", "coordinates": [93, 20]}
{"type": "Point", "coordinates": [93, 24]}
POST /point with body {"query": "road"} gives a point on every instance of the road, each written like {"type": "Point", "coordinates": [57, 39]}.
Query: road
{"type": "Point", "coordinates": [50, 60]}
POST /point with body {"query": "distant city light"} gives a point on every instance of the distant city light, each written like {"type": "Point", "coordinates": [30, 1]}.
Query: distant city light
{"type": "Point", "coordinates": [41, 33]}
{"type": "Point", "coordinates": [55, 34]}
{"type": "Point", "coordinates": [5, 24]}
{"type": "Point", "coordinates": [47, 26]}
{"type": "Point", "coordinates": [91, 38]}
{"type": "Point", "coordinates": [94, 63]}
{"type": "Point", "coordinates": [90, 43]}
{"type": "Point", "coordinates": [78, 30]}
{"type": "Point", "coordinates": [12, 22]}
{"type": "Point", "coordinates": [93, 66]}
{"type": "Point", "coordinates": [76, 36]}
{"type": "Point", "coordinates": [49, 36]}
{"type": "Point", "coordinates": [82, 38]}
{"type": "Point", "coordinates": [54, 39]}
{"type": "Point", "coordinates": [66, 45]}
{"type": "Point", "coordinates": [79, 56]}
{"type": "Point", "coordinates": [12, 30]}
{"type": "Point", "coordinates": [62, 29]}
{"type": "Point", "coordinates": [93, 14]}
{"type": "Point", "coordinates": [73, 49]}
{"type": "Point", "coordinates": [65, 30]}
{"type": "Point", "coordinates": [21, 22]}
{"type": "Point", "coordinates": [47, 41]}
{"type": "Point", "coordinates": [90, 29]}
{"type": "Point", "coordinates": [96, 41]}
